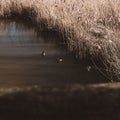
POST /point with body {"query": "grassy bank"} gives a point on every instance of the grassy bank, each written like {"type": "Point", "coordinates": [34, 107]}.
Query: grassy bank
{"type": "Point", "coordinates": [90, 28]}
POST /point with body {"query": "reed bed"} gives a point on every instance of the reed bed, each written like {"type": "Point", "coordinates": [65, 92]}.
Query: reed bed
{"type": "Point", "coordinates": [90, 28]}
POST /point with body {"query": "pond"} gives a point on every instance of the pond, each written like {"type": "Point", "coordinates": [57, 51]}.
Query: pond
{"type": "Point", "coordinates": [22, 62]}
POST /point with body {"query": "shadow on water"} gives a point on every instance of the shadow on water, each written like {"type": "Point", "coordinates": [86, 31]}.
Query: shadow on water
{"type": "Point", "coordinates": [21, 62]}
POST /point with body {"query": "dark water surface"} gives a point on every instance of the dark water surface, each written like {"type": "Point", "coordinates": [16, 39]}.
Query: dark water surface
{"type": "Point", "coordinates": [21, 62]}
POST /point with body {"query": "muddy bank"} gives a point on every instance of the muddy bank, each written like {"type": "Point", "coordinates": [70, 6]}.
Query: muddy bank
{"type": "Point", "coordinates": [75, 102]}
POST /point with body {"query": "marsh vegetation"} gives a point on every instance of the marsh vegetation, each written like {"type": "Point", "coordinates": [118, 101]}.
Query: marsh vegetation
{"type": "Point", "coordinates": [90, 30]}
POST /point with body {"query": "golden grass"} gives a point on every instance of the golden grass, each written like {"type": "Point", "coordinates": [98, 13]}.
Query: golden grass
{"type": "Point", "coordinates": [90, 27]}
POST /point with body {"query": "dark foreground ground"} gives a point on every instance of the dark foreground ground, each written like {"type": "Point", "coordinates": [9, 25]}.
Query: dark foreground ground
{"type": "Point", "coordinates": [93, 102]}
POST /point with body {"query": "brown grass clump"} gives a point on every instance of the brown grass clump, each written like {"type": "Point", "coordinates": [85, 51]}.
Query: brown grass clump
{"type": "Point", "coordinates": [90, 27]}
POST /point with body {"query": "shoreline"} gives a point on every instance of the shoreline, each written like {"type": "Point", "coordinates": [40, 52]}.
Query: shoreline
{"type": "Point", "coordinates": [83, 102]}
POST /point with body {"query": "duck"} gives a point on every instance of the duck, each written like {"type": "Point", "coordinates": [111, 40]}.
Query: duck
{"type": "Point", "coordinates": [59, 60]}
{"type": "Point", "coordinates": [88, 68]}
{"type": "Point", "coordinates": [43, 53]}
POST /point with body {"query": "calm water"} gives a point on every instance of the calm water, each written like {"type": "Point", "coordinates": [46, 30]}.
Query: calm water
{"type": "Point", "coordinates": [21, 62]}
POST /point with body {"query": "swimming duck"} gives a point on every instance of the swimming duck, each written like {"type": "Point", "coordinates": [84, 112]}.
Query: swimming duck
{"type": "Point", "coordinates": [88, 68]}
{"type": "Point", "coordinates": [43, 53]}
{"type": "Point", "coordinates": [59, 60]}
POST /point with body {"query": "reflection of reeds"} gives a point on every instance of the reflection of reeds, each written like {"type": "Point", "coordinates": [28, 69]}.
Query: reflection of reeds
{"type": "Point", "coordinates": [90, 27]}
